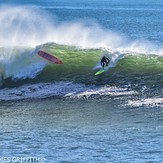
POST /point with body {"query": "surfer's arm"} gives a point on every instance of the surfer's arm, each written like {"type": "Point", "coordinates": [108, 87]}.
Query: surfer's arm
{"type": "Point", "coordinates": [108, 60]}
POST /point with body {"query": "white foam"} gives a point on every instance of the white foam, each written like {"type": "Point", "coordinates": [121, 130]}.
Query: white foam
{"type": "Point", "coordinates": [102, 91]}
{"type": "Point", "coordinates": [20, 63]}
{"type": "Point", "coordinates": [153, 102]}
{"type": "Point", "coordinates": [62, 89]}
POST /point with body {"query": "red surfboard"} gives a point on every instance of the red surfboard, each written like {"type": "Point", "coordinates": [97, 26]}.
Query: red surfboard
{"type": "Point", "coordinates": [49, 57]}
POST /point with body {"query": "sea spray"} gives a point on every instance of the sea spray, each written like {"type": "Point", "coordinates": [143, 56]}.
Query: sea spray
{"type": "Point", "coordinates": [30, 26]}
{"type": "Point", "coordinates": [23, 26]}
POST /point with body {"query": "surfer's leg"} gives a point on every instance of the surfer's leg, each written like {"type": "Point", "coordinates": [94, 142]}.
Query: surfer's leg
{"type": "Point", "coordinates": [102, 64]}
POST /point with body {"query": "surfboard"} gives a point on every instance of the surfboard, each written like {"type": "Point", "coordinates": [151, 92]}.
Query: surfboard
{"type": "Point", "coordinates": [101, 71]}
{"type": "Point", "coordinates": [49, 57]}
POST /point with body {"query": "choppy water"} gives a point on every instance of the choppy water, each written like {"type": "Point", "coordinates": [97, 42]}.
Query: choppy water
{"type": "Point", "coordinates": [64, 113]}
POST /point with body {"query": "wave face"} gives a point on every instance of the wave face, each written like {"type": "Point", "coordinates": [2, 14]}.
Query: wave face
{"type": "Point", "coordinates": [79, 44]}
{"type": "Point", "coordinates": [79, 66]}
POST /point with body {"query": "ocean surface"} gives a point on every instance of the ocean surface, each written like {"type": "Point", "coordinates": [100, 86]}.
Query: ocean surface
{"type": "Point", "coordinates": [64, 113]}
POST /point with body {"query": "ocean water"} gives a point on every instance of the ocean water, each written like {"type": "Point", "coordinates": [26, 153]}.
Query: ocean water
{"type": "Point", "coordinates": [64, 113]}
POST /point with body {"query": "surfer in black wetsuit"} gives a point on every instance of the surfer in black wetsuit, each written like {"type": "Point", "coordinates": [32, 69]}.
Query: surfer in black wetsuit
{"type": "Point", "coordinates": [104, 61]}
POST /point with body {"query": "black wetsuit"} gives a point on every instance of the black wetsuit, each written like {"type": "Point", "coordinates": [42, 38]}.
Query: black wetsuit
{"type": "Point", "coordinates": [104, 61]}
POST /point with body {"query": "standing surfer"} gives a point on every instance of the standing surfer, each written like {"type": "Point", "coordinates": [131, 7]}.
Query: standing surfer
{"type": "Point", "coordinates": [104, 61]}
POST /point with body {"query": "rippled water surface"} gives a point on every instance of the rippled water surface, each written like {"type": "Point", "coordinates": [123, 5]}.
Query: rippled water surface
{"type": "Point", "coordinates": [81, 131]}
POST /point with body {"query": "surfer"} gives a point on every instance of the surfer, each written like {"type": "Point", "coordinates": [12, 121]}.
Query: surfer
{"type": "Point", "coordinates": [104, 61]}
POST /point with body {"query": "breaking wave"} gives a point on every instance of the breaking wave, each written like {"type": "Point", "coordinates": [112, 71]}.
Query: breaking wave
{"type": "Point", "coordinates": [79, 44]}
